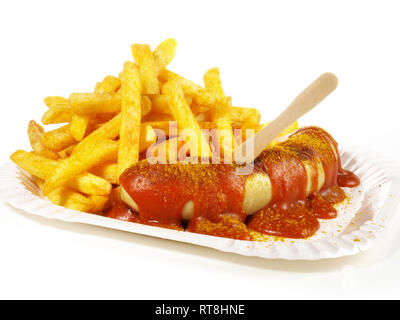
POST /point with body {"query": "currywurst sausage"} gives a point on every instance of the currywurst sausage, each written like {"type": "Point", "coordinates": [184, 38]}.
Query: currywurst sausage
{"type": "Point", "coordinates": [304, 166]}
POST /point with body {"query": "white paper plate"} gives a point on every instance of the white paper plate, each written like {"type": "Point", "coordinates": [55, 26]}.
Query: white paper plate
{"type": "Point", "coordinates": [360, 220]}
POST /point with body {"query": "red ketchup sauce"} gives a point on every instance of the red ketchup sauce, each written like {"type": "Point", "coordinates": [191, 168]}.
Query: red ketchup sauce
{"type": "Point", "coordinates": [161, 191]}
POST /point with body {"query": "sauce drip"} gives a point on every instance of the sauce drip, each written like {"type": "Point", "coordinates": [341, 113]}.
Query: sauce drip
{"type": "Point", "coordinates": [297, 215]}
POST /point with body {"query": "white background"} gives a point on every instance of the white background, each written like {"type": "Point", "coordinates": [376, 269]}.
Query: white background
{"type": "Point", "coordinates": [267, 53]}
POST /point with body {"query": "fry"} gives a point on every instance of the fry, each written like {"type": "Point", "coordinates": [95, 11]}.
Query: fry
{"type": "Point", "coordinates": [153, 116]}
{"type": "Point", "coordinates": [76, 201]}
{"type": "Point", "coordinates": [146, 106]}
{"type": "Point", "coordinates": [110, 84]}
{"type": "Point", "coordinates": [147, 136]}
{"type": "Point", "coordinates": [97, 103]}
{"type": "Point", "coordinates": [43, 168]}
{"type": "Point", "coordinates": [221, 114]}
{"type": "Point", "coordinates": [164, 152]}
{"type": "Point", "coordinates": [108, 171]}
{"type": "Point", "coordinates": [65, 153]}
{"type": "Point", "coordinates": [143, 57]}
{"type": "Point", "coordinates": [35, 134]}
{"type": "Point", "coordinates": [196, 109]}
{"type": "Point", "coordinates": [78, 126]}
{"type": "Point", "coordinates": [57, 114]}
{"type": "Point", "coordinates": [52, 101]}
{"type": "Point", "coordinates": [212, 82]}
{"type": "Point", "coordinates": [161, 125]}
{"type": "Point", "coordinates": [199, 94]}
{"type": "Point", "coordinates": [184, 116]}
{"type": "Point", "coordinates": [164, 53]}
{"type": "Point", "coordinates": [129, 136]}
{"type": "Point", "coordinates": [250, 117]}
{"type": "Point", "coordinates": [160, 104]}
{"type": "Point", "coordinates": [109, 130]}
{"type": "Point", "coordinates": [58, 139]}
{"type": "Point", "coordinates": [165, 126]}
{"type": "Point", "coordinates": [89, 103]}
{"type": "Point", "coordinates": [80, 122]}
{"type": "Point", "coordinates": [80, 162]}
{"type": "Point", "coordinates": [101, 118]}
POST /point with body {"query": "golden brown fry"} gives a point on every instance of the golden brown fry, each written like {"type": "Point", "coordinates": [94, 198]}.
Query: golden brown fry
{"type": "Point", "coordinates": [101, 118]}
{"type": "Point", "coordinates": [199, 94]}
{"type": "Point", "coordinates": [59, 113]}
{"type": "Point", "coordinates": [58, 139]}
{"type": "Point", "coordinates": [160, 125]}
{"type": "Point", "coordinates": [108, 171]}
{"type": "Point", "coordinates": [196, 109]}
{"type": "Point", "coordinates": [52, 101]}
{"type": "Point", "coordinates": [99, 203]}
{"type": "Point", "coordinates": [80, 122]}
{"type": "Point", "coordinates": [221, 114]}
{"type": "Point", "coordinates": [43, 168]}
{"type": "Point", "coordinates": [164, 53]}
{"type": "Point", "coordinates": [98, 103]}
{"type": "Point", "coordinates": [89, 103]}
{"type": "Point", "coordinates": [35, 134]}
{"type": "Point", "coordinates": [153, 116]}
{"type": "Point", "coordinates": [80, 162]}
{"type": "Point", "coordinates": [78, 126]}
{"type": "Point", "coordinates": [166, 126]}
{"type": "Point", "coordinates": [160, 104]}
{"type": "Point", "coordinates": [65, 153]}
{"type": "Point", "coordinates": [146, 106]}
{"type": "Point", "coordinates": [143, 57]}
{"type": "Point", "coordinates": [129, 136]}
{"type": "Point", "coordinates": [147, 137]}
{"type": "Point", "coordinates": [109, 130]}
{"type": "Point", "coordinates": [185, 118]}
{"type": "Point", "coordinates": [250, 117]}
{"type": "Point", "coordinates": [110, 84]}
{"type": "Point", "coordinates": [212, 82]}
{"type": "Point", "coordinates": [76, 201]}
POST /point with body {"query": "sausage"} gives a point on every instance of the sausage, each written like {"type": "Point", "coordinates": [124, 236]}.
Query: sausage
{"type": "Point", "coordinates": [313, 154]}
{"type": "Point", "coordinates": [258, 192]}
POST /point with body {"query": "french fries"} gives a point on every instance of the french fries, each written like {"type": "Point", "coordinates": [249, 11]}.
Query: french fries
{"type": "Point", "coordinates": [80, 162]}
{"type": "Point", "coordinates": [42, 168]}
{"type": "Point", "coordinates": [147, 110]}
{"type": "Point", "coordinates": [58, 139]}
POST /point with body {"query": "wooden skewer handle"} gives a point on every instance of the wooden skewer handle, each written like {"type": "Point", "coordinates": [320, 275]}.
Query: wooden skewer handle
{"type": "Point", "coordinates": [304, 102]}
